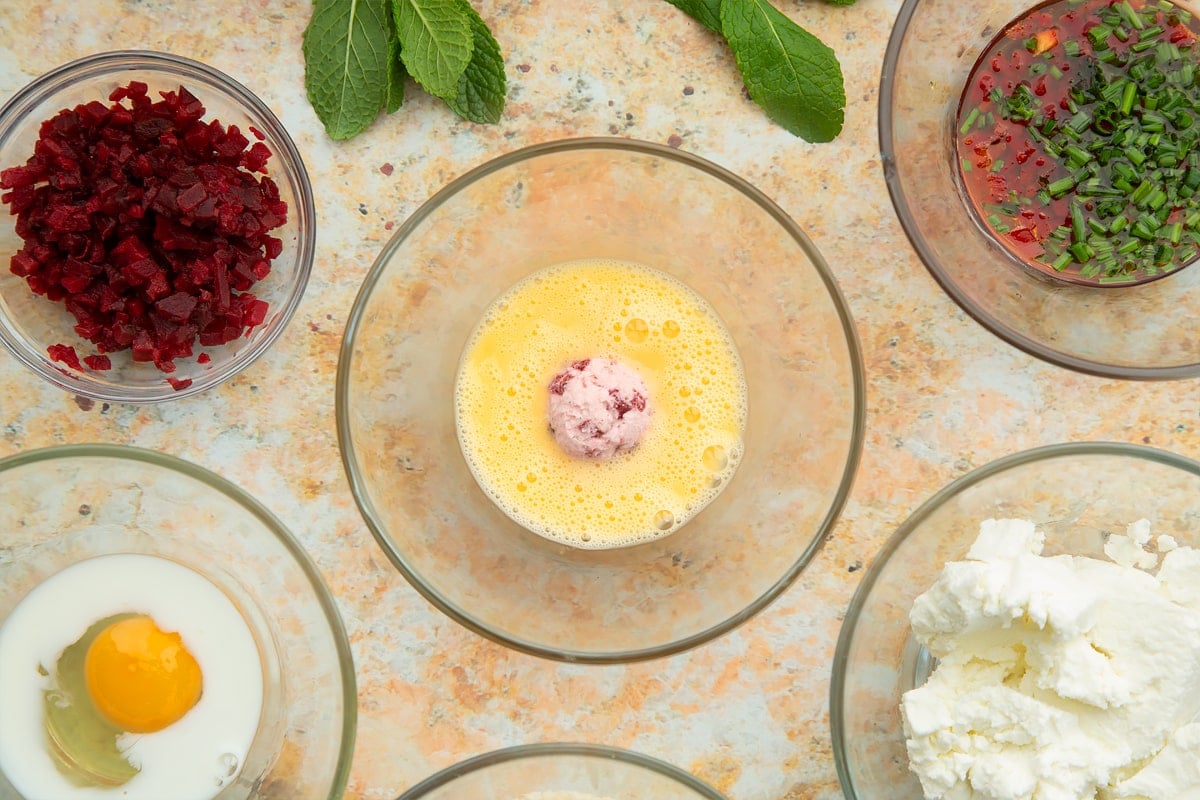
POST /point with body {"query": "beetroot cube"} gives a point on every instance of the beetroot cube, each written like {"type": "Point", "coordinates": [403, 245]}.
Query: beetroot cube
{"type": "Point", "coordinates": [64, 354]}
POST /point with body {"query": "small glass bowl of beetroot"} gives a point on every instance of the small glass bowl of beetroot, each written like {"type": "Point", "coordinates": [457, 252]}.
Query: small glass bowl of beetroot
{"type": "Point", "coordinates": [156, 226]}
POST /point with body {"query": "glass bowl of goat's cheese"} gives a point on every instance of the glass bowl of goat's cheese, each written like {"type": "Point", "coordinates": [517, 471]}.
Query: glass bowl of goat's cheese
{"type": "Point", "coordinates": [1032, 631]}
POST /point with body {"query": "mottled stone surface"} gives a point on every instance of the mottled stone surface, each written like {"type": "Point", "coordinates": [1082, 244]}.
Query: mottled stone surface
{"type": "Point", "coordinates": [747, 712]}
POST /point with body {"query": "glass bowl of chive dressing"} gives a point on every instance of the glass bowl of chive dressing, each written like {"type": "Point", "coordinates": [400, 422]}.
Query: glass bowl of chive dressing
{"type": "Point", "coordinates": [161, 635]}
{"type": "Point", "coordinates": [1044, 161]}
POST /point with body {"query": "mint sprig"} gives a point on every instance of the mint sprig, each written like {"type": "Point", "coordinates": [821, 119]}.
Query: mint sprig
{"type": "Point", "coordinates": [358, 55]}
{"type": "Point", "coordinates": [789, 72]}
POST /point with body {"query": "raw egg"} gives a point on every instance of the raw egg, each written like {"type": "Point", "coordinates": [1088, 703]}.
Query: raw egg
{"type": "Point", "coordinates": [127, 676]}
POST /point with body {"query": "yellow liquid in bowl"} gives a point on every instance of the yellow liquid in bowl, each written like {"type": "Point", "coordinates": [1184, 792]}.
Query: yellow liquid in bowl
{"type": "Point", "coordinates": [638, 316]}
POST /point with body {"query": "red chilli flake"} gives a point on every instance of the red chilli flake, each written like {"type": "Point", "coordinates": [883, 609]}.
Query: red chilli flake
{"type": "Point", "coordinates": [148, 223]}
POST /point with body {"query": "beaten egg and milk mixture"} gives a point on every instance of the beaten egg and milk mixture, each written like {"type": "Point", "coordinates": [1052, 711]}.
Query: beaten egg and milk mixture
{"type": "Point", "coordinates": [648, 321]}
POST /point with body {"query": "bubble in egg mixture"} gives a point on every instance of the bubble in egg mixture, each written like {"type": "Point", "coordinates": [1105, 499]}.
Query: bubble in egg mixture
{"type": "Point", "coordinates": [714, 458]}
{"type": "Point", "coordinates": [636, 330]}
{"type": "Point", "coordinates": [668, 335]}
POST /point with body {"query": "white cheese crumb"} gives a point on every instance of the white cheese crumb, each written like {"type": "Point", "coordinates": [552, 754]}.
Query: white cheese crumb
{"type": "Point", "coordinates": [1130, 550]}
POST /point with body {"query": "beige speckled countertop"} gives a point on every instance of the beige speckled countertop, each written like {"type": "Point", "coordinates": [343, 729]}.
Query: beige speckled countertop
{"type": "Point", "coordinates": [749, 711]}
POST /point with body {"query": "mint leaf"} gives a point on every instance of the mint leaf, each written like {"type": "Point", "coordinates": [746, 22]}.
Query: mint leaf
{"type": "Point", "coordinates": [435, 43]}
{"type": "Point", "coordinates": [788, 71]}
{"type": "Point", "coordinates": [346, 63]}
{"type": "Point", "coordinates": [707, 12]}
{"type": "Point", "coordinates": [481, 89]}
{"type": "Point", "coordinates": [396, 72]}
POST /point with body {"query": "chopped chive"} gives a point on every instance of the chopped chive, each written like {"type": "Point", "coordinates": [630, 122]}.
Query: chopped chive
{"type": "Point", "coordinates": [1078, 228]}
{"type": "Point", "coordinates": [966, 126]}
{"type": "Point", "coordinates": [1098, 34]}
{"type": "Point", "coordinates": [1128, 95]}
{"type": "Point", "coordinates": [1131, 17]}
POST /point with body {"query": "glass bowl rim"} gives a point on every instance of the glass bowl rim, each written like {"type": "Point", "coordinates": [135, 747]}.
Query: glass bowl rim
{"type": "Point", "coordinates": [997, 327]}
{"type": "Point", "coordinates": [837, 683]}
{"type": "Point", "coordinates": [621, 145]}
{"type": "Point", "coordinates": [518, 752]}
{"type": "Point", "coordinates": [41, 88]}
{"type": "Point", "coordinates": [271, 523]}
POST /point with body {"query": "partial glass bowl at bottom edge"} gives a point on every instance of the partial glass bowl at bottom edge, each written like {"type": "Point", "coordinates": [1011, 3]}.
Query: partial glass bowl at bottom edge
{"type": "Point", "coordinates": [562, 771]}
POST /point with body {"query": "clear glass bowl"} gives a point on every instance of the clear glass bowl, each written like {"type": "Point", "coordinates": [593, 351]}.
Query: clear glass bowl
{"type": "Point", "coordinates": [603, 198]}
{"type": "Point", "coordinates": [1077, 493]}
{"type": "Point", "coordinates": [29, 323]}
{"type": "Point", "coordinates": [1142, 332]}
{"type": "Point", "coordinates": [65, 504]}
{"type": "Point", "coordinates": [564, 772]}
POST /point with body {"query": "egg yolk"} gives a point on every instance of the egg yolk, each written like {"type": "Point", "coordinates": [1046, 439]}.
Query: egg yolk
{"type": "Point", "coordinates": [139, 677]}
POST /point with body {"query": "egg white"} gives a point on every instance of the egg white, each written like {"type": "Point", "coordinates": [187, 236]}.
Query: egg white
{"type": "Point", "coordinates": [185, 761]}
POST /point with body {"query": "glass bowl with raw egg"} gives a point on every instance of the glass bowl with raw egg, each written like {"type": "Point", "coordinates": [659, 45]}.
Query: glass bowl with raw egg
{"type": "Point", "coordinates": [1031, 630]}
{"type": "Point", "coordinates": [600, 400]}
{"type": "Point", "coordinates": [162, 635]}
{"type": "Point", "coordinates": [562, 771]}
{"type": "Point", "coordinates": [157, 226]}
{"type": "Point", "coordinates": [1043, 161]}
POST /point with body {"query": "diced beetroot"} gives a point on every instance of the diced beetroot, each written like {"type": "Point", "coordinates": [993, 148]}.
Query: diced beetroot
{"type": "Point", "coordinates": [158, 285]}
{"type": "Point", "coordinates": [23, 264]}
{"type": "Point", "coordinates": [255, 159]}
{"type": "Point", "coordinates": [232, 143]}
{"type": "Point", "coordinates": [28, 175]}
{"type": "Point", "coordinates": [191, 197]}
{"type": "Point", "coordinates": [177, 307]}
{"type": "Point", "coordinates": [256, 313]}
{"type": "Point", "coordinates": [143, 346]}
{"type": "Point", "coordinates": [148, 223]}
{"type": "Point", "coordinates": [64, 354]}
{"type": "Point", "coordinates": [189, 109]}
